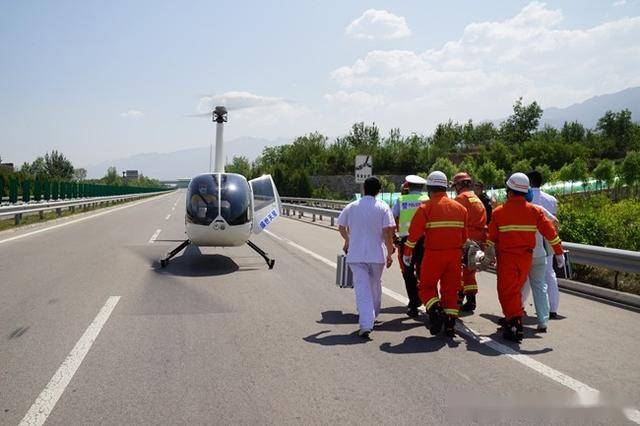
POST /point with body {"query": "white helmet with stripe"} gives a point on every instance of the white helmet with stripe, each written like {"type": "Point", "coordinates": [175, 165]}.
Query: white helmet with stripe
{"type": "Point", "coordinates": [518, 182]}
{"type": "Point", "coordinates": [437, 178]}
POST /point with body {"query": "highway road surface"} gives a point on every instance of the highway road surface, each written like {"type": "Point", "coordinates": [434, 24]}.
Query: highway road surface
{"type": "Point", "coordinates": [92, 331]}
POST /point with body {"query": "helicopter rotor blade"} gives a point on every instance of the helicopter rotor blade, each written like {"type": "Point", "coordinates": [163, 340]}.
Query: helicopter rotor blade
{"type": "Point", "coordinates": [200, 114]}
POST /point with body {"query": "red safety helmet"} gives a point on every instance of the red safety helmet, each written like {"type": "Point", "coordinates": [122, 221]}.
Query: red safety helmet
{"type": "Point", "coordinates": [461, 177]}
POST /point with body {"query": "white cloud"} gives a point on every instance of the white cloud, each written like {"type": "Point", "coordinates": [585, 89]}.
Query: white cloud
{"type": "Point", "coordinates": [493, 63]}
{"type": "Point", "coordinates": [619, 3]}
{"type": "Point", "coordinates": [361, 101]}
{"type": "Point", "coordinates": [378, 25]}
{"type": "Point", "coordinates": [132, 113]}
{"type": "Point", "coordinates": [255, 114]}
{"type": "Point", "coordinates": [237, 100]}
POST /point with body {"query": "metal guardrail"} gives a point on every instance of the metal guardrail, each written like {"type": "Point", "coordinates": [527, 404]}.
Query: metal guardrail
{"type": "Point", "coordinates": [316, 202]}
{"type": "Point", "coordinates": [299, 210]}
{"type": "Point", "coordinates": [610, 258]}
{"type": "Point", "coordinates": [582, 254]}
{"type": "Point", "coordinates": [18, 210]}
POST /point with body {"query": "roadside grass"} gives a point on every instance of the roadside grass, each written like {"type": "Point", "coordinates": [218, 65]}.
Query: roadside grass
{"type": "Point", "coordinates": [35, 218]}
{"type": "Point", "coordinates": [621, 281]}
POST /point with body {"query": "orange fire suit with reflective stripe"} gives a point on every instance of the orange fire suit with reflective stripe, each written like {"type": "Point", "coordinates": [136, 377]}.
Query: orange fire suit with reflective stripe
{"type": "Point", "coordinates": [477, 231]}
{"type": "Point", "coordinates": [443, 222]}
{"type": "Point", "coordinates": [513, 232]}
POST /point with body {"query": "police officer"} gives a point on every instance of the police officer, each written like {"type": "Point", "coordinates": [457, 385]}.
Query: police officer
{"type": "Point", "coordinates": [403, 211]}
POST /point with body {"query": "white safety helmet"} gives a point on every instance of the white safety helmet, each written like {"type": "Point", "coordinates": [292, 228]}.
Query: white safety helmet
{"type": "Point", "coordinates": [437, 178]}
{"type": "Point", "coordinates": [415, 180]}
{"type": "Point", "coordinates": [518, 182]}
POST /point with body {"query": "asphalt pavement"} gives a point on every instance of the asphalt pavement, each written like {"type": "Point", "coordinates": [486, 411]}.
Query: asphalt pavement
{"type": "Point", "coordinates": [93, 331]}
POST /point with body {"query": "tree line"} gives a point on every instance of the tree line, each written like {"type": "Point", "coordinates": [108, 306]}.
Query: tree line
{"type": "Point", "coordinates": [487, 151]}
{"type": "Point", "coordinates": [55, 165]}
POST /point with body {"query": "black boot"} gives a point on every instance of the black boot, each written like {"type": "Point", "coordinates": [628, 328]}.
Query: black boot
{"type": "Point", "coordinates": [513, 330]}
{"type": "Point", "coordinates": [436, 318]}
{"type": "Point", "coordinates": [470, 304]}
{"type": "Point", "coordinates": [449, 326]}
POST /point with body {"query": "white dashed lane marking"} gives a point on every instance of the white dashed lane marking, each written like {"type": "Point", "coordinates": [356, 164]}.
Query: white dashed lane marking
{"type": "Point", "coordinates": [48, 398]}
{"type": "Point", "coordinates": [587, 394]}
{"type": "Point", "coordinates": [154, 236]}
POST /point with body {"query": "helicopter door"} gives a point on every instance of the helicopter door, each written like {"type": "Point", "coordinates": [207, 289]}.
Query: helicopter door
{"type": "Point", "coordinates": [266, 202]}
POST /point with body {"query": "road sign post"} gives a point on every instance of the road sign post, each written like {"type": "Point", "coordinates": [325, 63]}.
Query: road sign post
{"type": "Point", "coordinates": [364, 168]}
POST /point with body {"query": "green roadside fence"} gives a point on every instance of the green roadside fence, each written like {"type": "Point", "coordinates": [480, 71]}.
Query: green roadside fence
{"type": "Point", "coordinates": [38, 189]}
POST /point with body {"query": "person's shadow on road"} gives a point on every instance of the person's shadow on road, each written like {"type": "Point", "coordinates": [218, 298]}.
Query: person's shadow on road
{"type": "Point", "coordinates": [335, 339]}
{"type": "Point", "coordinates": [340, 317]}
{"type": "Point", "coordinates": [419, 344]}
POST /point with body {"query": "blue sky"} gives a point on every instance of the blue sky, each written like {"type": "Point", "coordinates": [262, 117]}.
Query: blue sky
{"type": "Point", "coordinates": [103, 80]}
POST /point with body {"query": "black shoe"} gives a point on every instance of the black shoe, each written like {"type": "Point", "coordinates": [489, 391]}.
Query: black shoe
{"type": "Point", "coordinates": [470, 304]}
{"type": "Point", "coordinates": [413, 312]}
{"type": "Point", "coordinates": [541, 329]}
{"type": "Point", "coordinates": [553, 315]}
{"type": "Point", "coordinates": [513, 330]}
{"type": "Point", "coordinates": [436, 319]}
{"type": "Point", "coordinates": [365, 334]}
{"type": "Point", "coordinates": [449, 327]}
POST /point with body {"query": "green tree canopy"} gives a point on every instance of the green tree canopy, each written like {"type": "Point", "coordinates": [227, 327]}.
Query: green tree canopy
{"type": "Point", "coordinates": [58, 166]}
{"type": "Point", "coordinates": [605, 172]}
{"type": "Point", "coordinates": [630, 168]}
{"type": "Point", "coordinates": [623, 133]}
{"type": "Point", "coordinates": [522, 123]}
{"type": "Point", "coordinates": [490, 175]}
{"type": "Point", "coordinates": [239, 165]}
{"type": "Point", "coordinates": [444, 165]}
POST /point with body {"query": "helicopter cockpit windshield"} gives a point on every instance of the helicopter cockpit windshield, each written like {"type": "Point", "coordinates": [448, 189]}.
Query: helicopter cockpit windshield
{"type": "Point", "coordinates": [235, 196]}
{"type": "Point", "coordinates": [213, 195]}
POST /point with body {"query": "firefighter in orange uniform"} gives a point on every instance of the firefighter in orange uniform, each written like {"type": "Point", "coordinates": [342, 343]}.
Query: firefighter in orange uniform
{"type": "Point", "coordinates": [511, 240]}
{"type": "Point", "coordinates": [476, 230]}
{"type": "Point", "coordinates": [443, 223]}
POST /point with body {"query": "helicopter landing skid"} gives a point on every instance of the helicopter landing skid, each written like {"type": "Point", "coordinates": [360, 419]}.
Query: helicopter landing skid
{"type": "Point", "coordinates": [265, 256]}
{"type": "Point", "coordinates": [165, 261]}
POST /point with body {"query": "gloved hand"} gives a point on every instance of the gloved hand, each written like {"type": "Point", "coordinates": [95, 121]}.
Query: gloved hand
{"type": "Point", "coordinates": [406, 260]}
{"type": "Point", "coordinates": [489, 256]}
{"type": "Point", "coordinates": [560, 260]}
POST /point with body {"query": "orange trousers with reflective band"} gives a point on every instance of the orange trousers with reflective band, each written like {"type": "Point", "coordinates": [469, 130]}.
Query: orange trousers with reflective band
{"type": "Point", "coordinates": [469, 282]}
{"type": "Point", "coordinates": [442, 266]}
{"type": "Point", "coordinates": [513, 270]}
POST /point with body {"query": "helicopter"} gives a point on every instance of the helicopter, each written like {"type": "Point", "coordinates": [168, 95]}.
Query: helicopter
{"type": "Point", "coordinates": [225, 209]}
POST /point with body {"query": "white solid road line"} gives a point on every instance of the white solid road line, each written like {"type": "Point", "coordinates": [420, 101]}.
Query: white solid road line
{"type": "Point", "coordinates": [60, 225]}
{"type": "Point", "coordinates": [167, 218]}
{"type": "Point", "coordinates": [48, 398]}
{"type": "Point", "coordinates": [588, 395]}
{"type": "Point", "coordinates": [154, 236]}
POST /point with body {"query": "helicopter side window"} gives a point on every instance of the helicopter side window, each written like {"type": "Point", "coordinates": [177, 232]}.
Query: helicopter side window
{"type": "Point", "coordinates": [202, 207]}
{"type": "Point", "coordinates": [234, 199]}
{"type": "Point", "coordinates": [262, 193]}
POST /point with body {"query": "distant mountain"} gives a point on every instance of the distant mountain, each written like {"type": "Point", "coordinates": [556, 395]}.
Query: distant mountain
{"type": "Point", "coordinates": [184, 163]}
{"type": "Point", "coordinates": [589, 111]}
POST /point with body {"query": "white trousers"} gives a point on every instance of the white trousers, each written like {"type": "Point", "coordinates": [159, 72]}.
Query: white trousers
{"type": "Point", "coordinates": [552, 287]}
{"type": "Point", "coordinates": [367, 283]}
{"type": "Point", "coordinates": [537, 283]}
